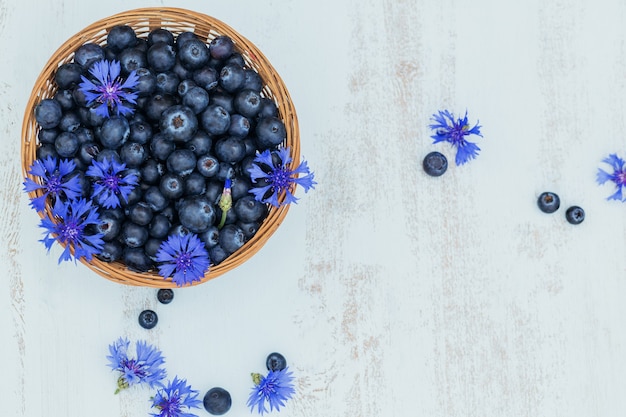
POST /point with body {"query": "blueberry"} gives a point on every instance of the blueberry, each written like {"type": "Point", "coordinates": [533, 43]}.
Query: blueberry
{"type": "Point", "coordinates": [196, 214]}
{"type": "Point", "coordinates": [193, 54]}
{"type": "Point", "coordinates": [200, 144]}
{"type": "Point", "coordinates": [115, 131]}
{"type": "Point", "coordinates": [121, 37]}
{"type": "Point", "coordinates": [66, 144]}
{"type": "Point", "coordinates": [252, 80]}
{"type": "Point", "coordinates": [240, 187]}
{"type": "Point", "coordinates": [183, 37]}
{"type": "Point", "coordinates": [132, 59]}
{"type": "Point", "coordinates": [148, 319]}
{"type": "Point", "coordinates": [48, 113]}
{"type": "Point", "coordinates": [109, 155]}
{"type": "Point", "coordinates": [197, 99]}
{"type": "Point", "coordinates": [215, 119]}
{"type": "Point", "coordinates": [167, 82]}
{"type": "Point", "coordinates": [110, 252]}
{"type": "Point", "coordinates": [575, 215]}
{"type": "Point", "coordinates": [184, 86]}
{"type": "Point", "coordinates": [172, 186]}
{"type": "Point", "coordinates": [47, 135]}
{"type": "Point", "coordinates": [161, 57]}
{"type": "Point", "coordinates": [70, 121]}
{"type": "Point", "coordinates": [270, 132]}
{"type": "Point", "coordinates": [248, 209]}
{"type": "Point", "coordinates": [65, 99]}
{"type": "Point", "coordinates": [182, 72]}
{"type": "Point", "coordinates": [231, 238]}
{"type": "Point", "coordinates": [68, 75]}
{"type": "Point", "coordinates": [146, 82]}
{"type": "Point", "coordinates": [45, 150]}
{"type": "Point", "coordinates": [217, 401]}
{"type": "Point", "coordinates": [214, 191]}
{"type": "Point", "coordinates": [133, 154]}
{"type": "Point", "coordinates": [157, 104]}
{"type": "Point", "coordinates": [210, 237]}
{"type": "Point", "coordinates": [221, 47]}
{"type": "Point", "coordinates": [217, 254]}
{"type": "Point", "coordinates": [225, 171]}
{"type": "Point", "coordinates": [239, 126]}
{"type": "Point", "coordinates": [179, 230]}
{"type": "Point", "coordinates": [152, 247]}
{"type": "Point", "coordinates": [160, 35]}
{"type": "Point", "coordinates": [159, 226]}
{"type": "Point", "coordinates": [206, 78]}
{"type": "Point", "coordinates": [133, 235]}
{"type": "Point", "coordinates": [140, 213]}
{"type": "Point", "coordinates": [87, 54]}
{"type": "Point", "coordinates": [195, 184]}
{"type": "Point", "coordinates": [109, 225]}
{"type": "Point", "coordinates": [230, 149]}
{"type": "Point", "coordinates": [88, 151]}
{"type": "Point", "coordinates": [248, 229]}
{"type": "Point", "coordinates": [161, 146]}
{"type": "Point", "coordinates": [140, 132]}
{"type": "Point", "coordinates": [548, 202]}
{"type": "Point", "coordinates": [181, 162]}
{"type": "Point", "coordinates": [275, 362]}
{"type": "Point", "coordinates": [231, 77]}
{"type": "Point", "coordinates": [85, 135]}
{"type": "Point", "coordinates": [155, 199]}
{"type": "Point", "coordinates": [435, 164]}
{"type": "Point", "coordinates": [151, 172]}
{"type": "Point", "coordinates": [135, 195]}
{"type": "Point", "coordinates": [248, 103]}
{"type": "Point", "coordinates": [222, 99]}
{"type": "Point", "coordinates": [165, 295]}
{"type": "Point", "coordinates": [137, 260]}
{"type": "Point", "coordinates": [179, 122]}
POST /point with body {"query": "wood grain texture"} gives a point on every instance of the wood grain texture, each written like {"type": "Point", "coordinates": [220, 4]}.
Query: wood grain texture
{"type": "Point", "coordinates": [390, 292]}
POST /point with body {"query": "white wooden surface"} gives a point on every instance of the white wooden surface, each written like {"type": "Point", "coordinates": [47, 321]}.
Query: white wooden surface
{"type": "Point", "coordinates": [391, 293]}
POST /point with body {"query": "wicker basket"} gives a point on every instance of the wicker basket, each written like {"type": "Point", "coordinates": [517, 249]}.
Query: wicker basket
{"type": "Point", "coordinates": [207, 28]}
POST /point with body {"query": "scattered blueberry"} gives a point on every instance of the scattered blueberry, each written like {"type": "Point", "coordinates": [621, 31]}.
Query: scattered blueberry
{"type": "Point", "coordinates": [575, 215]}
{"type": "Point", "coordinates": [435, 164]}
{"type": "Point", "coordinates": [148, 319]}
{"type": "Point", "coordinates": [275, 362]}
{"type": "Point", "coordinates": [165, 295]}
{"type": "Point", "coordinates": [548, 202]}
{"type": "Point", "coordinates": [217, 401]}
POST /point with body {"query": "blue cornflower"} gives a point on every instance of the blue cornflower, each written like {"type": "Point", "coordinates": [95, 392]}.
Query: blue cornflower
{"type": "Point", "coordinates": [618, 176]}
{"type": "Point", "coordinates": [145, 368]}
{"type": "Point", "coordinates": [447, 129]}
{"type": "Point", "coordinates": [109, 90]}
{"type": "Point", "coordinates": [175, 400]}
{"type": "Point", "coordinates": [278, 178]}
{"type": "Point", "coordinates": [110, 182]}
{"type": "Point", "coordinates": [184, 258]}
{"type": "Point", "coordinates": [275, 388]}
{"type": "Point", "coordinates": [67, 223]}
{"type": "Point", "coordinates": [55, 181]}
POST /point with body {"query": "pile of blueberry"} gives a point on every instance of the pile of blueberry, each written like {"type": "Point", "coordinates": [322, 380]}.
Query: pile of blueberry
{"type": "Point", "coordinates": [195, 123]}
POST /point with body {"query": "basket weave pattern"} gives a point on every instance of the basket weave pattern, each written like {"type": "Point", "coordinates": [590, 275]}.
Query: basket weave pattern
{"type": "Point", "coordinates": [176, 21]}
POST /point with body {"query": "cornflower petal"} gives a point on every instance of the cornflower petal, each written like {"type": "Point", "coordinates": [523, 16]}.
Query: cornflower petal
{"type": "Point", "coordinates": [274, 389]}
{"type": "Point", "coordinates": [55, 180]}
{"type": "Point", "coordinates": [453, 130]}
{"type": "Point", "coordinates": [618, 176]}
{"type": "Point", "coordinates": [175, 399]}
{"type": "Point", "coordinates": [110, 183]}
{"type": "Point", "coordinates": [184, 258]}
{"type": "Point", "coordinates": [145, 368]}
{"type": "Point", "coordinates": [108, 92]}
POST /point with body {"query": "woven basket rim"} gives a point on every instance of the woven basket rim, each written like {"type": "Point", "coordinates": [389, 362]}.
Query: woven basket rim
{"type": "Point", "coordinates": [207, 27]}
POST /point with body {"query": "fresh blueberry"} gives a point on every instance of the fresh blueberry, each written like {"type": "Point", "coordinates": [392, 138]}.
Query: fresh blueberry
{"type": "Point", "coordinates": [109, 155]}
{"type": "Point", "coordinates": [248, 103]}
{"type": "Point", "coordinates": [70, 121]}
{"type": "Point", "coordinates": [217, 254]}
{"type": "Point", "coordinates": [121, 37]}
{"type": "Point", "coordinates": [548, 202]}
{"type": "Point", "coordinates": [65, 99]}
{"type": "Point", "coordinates": [210, 237]}
{"type": "Point", "coordinates": [155, 199]}
{"type": "Point", "coordinates": [252, 80]}
{"type": "Point", "coordinates": [196, 213]}
{"type": "Point", "coordinates": [195, 184]}
{"type": "Point", "coordinates": [133, 235]}
{"type": "Point", "coordinates": [225, 171]}
{"type": "Point", "coordinates": [148, 319]}
{"type": "Point", "coordinates": [435, 164]}
{"type": "Point", "coordinates": [214, 191]}
{"type": "Point", "coordinates": [200, 144]}
{"type": "Point", "coordinates": [222, 99]}
{"type": "Point", "coordinates": [47, 135]}
{"type": "Point", "coordinates": [179, 230]}
{"type": "Point", "coordinates": [151, 172]}
{"type": "Point", "coordinates": [197, 99]}
{"type": "Point", "coordinates": [179, 122]}
{"type": "Point", "coordinates": [114, 132]}
{"type": "Point", "coordinates": [240, 187]}
{"type": "Point", "coordinates": [270, 132]}
{"type": "Point", "coordinates": [146, 83]}
{"type": "Point", "coordinates": [68, 75]}
{"type": "Point", "coordinates": [184, 86]}
{"type": "Point", "coordinates": [161, 146]}
{"type": "Point", "coordinates": [48, 113]}
{"type": "Point", "coordinates": [215, 119]}
{"type": "Point", "coordinates": [110, 252]}
{"type": "Point", "coordinates": [132, 59]}
{"type": "Point", "coordinates": [160, 35]}
{"type": "Point", "coordinates": [161, 57]}
{"type": "Point", "coordinates": [239, 126]}
{"type": "Point", "coordinates": [140, 132]}
{"type": "Point", "coordinates": [231, 238]}
{"type": "Point", "coordinates": [152, 247]}
{"type": "Point", "coordinates": [275, 362]}
{"type": "Point", "coordinates": [181, 162]}
{"type": "Point", "coordinates": [217, 401]}
{"type": "Point", "coordinates": [268, 108]}
{"type": "Point", "coordinates": [575, 215]}
{"type": "Point", "coordinates": [165, 295]}
{"type": "Point", "coordinates": [193, 54]}
{"type": "Point", "coordinates": [230, 149]}
{"type": "Point", "coordinates": [133, 154]}
{"type": "Point", "coordinates": [157, 104]}
{"type": "Point", "coordinates": [66, 144]}
{"type": "Point", "coordinates": [159, 226]}
{"type": "Point", "coordinates": [140, 213]}
{"type": "Point", "coordinates": [248, 229]}
{"type": "Point", "coordinates": [231, 77]}
{"type": "Point", "coordinates": [183, 37]}
{"type": "Point", "coordinates": [88, 151]}
{"type": "Point", "coordinates": [167, 82]}
{"type": "Point", "coordinates": [137, 260]}
{"type": "Point", "coordinates": [87, 54]}
{"type": "Point", "coordinates": [206, 77]}
{"type": "Point", "coordinates": [248, 209]}
{"type": "Point", "coordinates": [45, 150]}
{"type": "Point", "coordinates": [172, 186]}
{"type": "Point", "coordinates": [221, 47]}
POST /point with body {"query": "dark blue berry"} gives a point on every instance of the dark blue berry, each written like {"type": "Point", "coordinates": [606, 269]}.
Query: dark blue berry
{"type": "Point", "coordinates": [248, 209]}
{"type": "Point", "coordinates": [68, 75]}
{"type": "Point", "coordinates": [65, 99]}
{"type": "Point", "coordinates": [121, 37]}
{"type": "Point", "coordinates": [132, 59]}
{"type": "Point", "coordinates": [575, 215]}
{"type": "Point", "coordinates": [133, 154]}
{"type": "Point", "coordinates": [239, 126]}
{"type": "Point", "coordinates": [210, 237]}
{"type": "Point", "coordinates": [88, 151]}
{"type": "Point", "coordinates": [179, 122]}
{"type": "Point", "coordinates": [161, 57]}
{"type": "Point", "coordinates": [159, 226]}
{"type": "Point", "coordinates": [248, 103]}
{"type": "Point", "coordinates": [45, 150]}
{"type": "Point", "coordinates": [66, 144]}
{"type": "Point", "coordinates": [240, 187]}
{"type": "Point", "coordinates": [70, 121]}
{"type": "Point", "coordinates": [133, 235]}
{"type": "Point", "coordinates": [183, 37]}
{"type": "Point", "coordinates": [137, 260]}
{"type": "Point", "coordinates": [167, 82]}
{"type": "Point", "coordinates": [110, 252]}
{"type": "Point", "coordinates": [152, 247]}
{"type": "Point", "coordinates": [196, 214]}
{"type": "Point", "coordinates": [230, 149]}
{"type": "Point", "coordinates": [215, 119]}
{"type": "Point", "coordinates": [146, 85]}
{"type": "Point", "coordinates": [221, 47]}
{"type": "Point", "coordinates": [217, 401]}
{"type": "Point", "coordinates": [193, 54]}
{"type": "Point", "coordinates": [248, 229]}
{"type": "Point", "coordinates": [161, 146]}
{"type": "Point", "coordinates": [109, 225]}
{"type": "Point", "coordinates": [222, 99]}
{"type": "Point", "coordinates": [148, 319]}
{"type": "Point", "coordinates": [87, 54]}
{"type": "Point", "coordinates": [217, 254]}
{"type": "Point", "coordinates": [151, 172]}
{"type": "Point", "coordinates": [109, 155]}
{"type": "Point", "coordinates": [181, 162]}
{"type": "Point", "coordinates": [435, 164]}
{"type": "Point", "coordinates": [200, 143]}
{"type": "Point", "coordinates": [231, 238]}
{"type": "Point", "coordinates": [155, 199]}
{"type": "Point", "coordinates": [548, 202]}
{"type": "Point", "coordinates": [48, 113]}
{"type": "Point", "coordinates": [252, 80]}
{"type": "Point", "coordinates": [270, 132]}
{"type": "Point", "coordinates": [140, 213]}
{"type": "Point", "coordinates": [197, 99]}
{"type": "Point", "coordinates": [275, 362]}
{"type": "Point", "coordinates": [157, 104]}
{"type": "Point", "coordinates": [114, 132]}
{"type": "Point", "coordinates": [195, 184]}
{"type": "Point", "coordinates": [231, 77]}
{"type": "Point", "coordinates": [165, 295]}
{"type": "Point", "coordinates": [160, 35]}
{"type": "Point", "coordinates": [172, 186]}
{"type": "Point", "coordinates": [184, 86]}
{"type": "Point", "coordinates": [140, 132]}
{"type": "Point", "coordinates": [206, 78]}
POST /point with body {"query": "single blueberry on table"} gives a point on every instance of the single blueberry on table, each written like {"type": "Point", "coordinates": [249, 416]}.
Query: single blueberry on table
{"type": "Point", "coordinates": [217, 401]}
{"type": "Point", "coordinates": [435, 164]}
{"type": "Point", "coordinates": [148, 319]}
{"type": "Point", "coordinates": [548, 202]}
{"type": "Point", "coordinates": [275, 362]}
{"type": "Point", "coordinates": [575, 215]}
{"type": "Point", "coordinates": [165, 295]}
